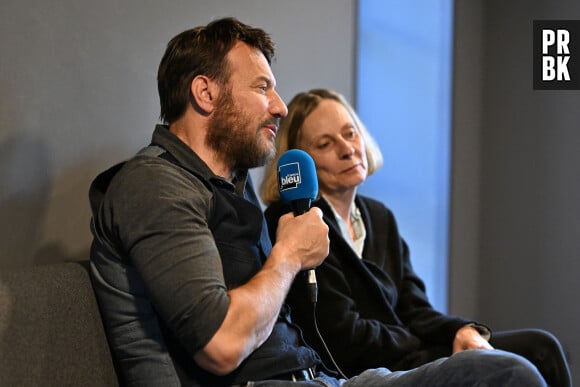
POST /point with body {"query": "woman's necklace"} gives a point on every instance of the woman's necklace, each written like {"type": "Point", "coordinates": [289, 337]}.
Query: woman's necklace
{"type": "Point", "coordinates": [356, 222]}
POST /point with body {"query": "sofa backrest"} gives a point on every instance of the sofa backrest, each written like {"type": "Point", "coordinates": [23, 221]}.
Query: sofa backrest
{"type": "Point", "coordinates": [51, 333]}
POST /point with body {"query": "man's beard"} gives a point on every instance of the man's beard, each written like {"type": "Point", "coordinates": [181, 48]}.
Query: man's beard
{"type": "Point", "coordinates": [231, 136]}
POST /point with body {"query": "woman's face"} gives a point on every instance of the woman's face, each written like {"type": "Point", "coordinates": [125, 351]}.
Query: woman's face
{"type": "Point", "coordinates": [330, 137]}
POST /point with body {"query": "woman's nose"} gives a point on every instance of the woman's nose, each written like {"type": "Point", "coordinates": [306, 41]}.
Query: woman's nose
{"type": "Point", "coordinates": [346, 149]}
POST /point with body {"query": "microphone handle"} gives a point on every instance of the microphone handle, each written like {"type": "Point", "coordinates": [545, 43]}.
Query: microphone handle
{"type": "Point", "coordinates": [299, 207]}
{"type": "Point", "coordinates": [312, 285]}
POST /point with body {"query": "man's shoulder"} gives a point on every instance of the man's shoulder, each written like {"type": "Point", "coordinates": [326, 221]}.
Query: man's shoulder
{"type": "Point", "coordinates": [146, 178]}
{"type": "Point", "coordinates": [155, 170]}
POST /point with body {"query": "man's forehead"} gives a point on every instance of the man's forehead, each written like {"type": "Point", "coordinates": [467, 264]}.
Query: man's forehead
{"type": "Point", "coordinates": [249, 62]}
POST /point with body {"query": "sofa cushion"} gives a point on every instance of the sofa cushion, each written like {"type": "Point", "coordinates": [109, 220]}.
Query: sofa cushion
{"type": "Point", "coordinates": [51, 333]}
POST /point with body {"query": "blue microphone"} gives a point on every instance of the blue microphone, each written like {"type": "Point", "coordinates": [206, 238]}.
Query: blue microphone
{"type": "Point", "coordinates": [297, 181]}
{"type": "Point", "coordinates": [298, 186]}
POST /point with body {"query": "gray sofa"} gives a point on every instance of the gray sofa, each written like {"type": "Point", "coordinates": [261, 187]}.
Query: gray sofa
{"type": "Point", "coordinates": [51, 332]}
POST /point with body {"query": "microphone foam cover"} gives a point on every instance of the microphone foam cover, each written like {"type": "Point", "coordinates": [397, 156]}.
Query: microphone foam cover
{"type": "Point", "coordinates": [297, 176]}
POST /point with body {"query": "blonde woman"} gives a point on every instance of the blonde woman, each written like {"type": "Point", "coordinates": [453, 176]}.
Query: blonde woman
{"type": "Point", "coordinates": [372, 307]}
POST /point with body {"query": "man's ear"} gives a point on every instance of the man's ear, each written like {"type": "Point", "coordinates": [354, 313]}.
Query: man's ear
{"type": "Point", "coordinates": [204, 92]}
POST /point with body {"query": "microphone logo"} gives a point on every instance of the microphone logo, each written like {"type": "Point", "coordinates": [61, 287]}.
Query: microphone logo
{"type": "Point", "coordinates": [289, 176]}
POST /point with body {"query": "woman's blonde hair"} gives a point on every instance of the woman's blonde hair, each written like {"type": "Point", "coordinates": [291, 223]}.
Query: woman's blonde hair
{"type": "Point", "coordinates": [288, 136]}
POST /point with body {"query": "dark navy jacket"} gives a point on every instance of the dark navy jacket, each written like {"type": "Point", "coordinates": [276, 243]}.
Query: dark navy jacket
{"type": "Point", "coordinates": [372, 312]}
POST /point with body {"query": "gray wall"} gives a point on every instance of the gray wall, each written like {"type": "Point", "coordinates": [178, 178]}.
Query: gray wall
{"type": "Point", "coordinates": [515, 247]}
{"type": "Point", "coordinates": [78, 93]}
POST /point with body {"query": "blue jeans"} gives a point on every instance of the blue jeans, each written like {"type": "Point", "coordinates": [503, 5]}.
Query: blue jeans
{"type": "Point", "coordinates": [476, 368]}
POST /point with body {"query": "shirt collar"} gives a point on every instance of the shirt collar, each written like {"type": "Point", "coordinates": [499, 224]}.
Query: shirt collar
{"type": "Point", "coordinates": [190, 160]}
{"type": "Point", "coordinates": [356, 244]}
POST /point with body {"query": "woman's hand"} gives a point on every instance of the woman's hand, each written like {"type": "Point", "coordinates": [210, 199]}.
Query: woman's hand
{"type": "Point", "coordinates": [467, 337]}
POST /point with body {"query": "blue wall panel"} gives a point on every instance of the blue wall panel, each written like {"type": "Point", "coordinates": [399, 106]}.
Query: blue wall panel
{"type": "Point", "coordinates": [404, 97]}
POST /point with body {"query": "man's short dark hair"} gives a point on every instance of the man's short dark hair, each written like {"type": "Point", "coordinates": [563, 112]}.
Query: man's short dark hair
{"type": "Point", "coordinates": [202, 51]}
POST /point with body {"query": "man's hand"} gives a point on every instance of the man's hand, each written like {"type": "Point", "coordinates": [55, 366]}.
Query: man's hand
{"type": "Point", "coordinates": [467, 337]}
{"type": "Point", "coordinates": [304, 238]}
